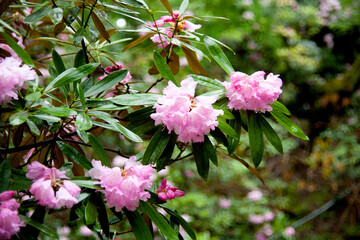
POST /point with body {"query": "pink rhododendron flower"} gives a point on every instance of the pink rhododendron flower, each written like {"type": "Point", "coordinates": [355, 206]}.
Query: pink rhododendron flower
{"type": "Point", "coordinates": [256, 218]}
{"type": "Point", "coordinates": [224, 203]}
{"type": "Point", "coordinates": [264, 232]}
{"type": "Point", "coordinates": [190, 117]}
{"type": "Point", "coordinates": [123, 187]}
{"type": "Point", "coordinates": [85, 231]}
{"type": "Point", "coordinates": [12, 78]}
{"type": "Point", "coordinates": [252, 92]}
{"type": "Point", "coordinates": [269, 216]}
{"type": "Point", "coordinates": [255, 195]}
{"type": "Point", "coordinates": [175, 21]}
{"type": "Point", "coordinates": [290, 231]}
{"type": "Point", "coordinates": [9, 221]}
{"type": "Point", "coordinates": [112, 69]}
{"type": "Point", "coordinates": [49, 189]}
{"type": "Point", "coordinates": [165, 191]}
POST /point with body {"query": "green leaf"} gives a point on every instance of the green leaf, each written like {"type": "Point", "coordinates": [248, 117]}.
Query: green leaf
{"type": "Point", "coordinates": [208, 82]}
{"type": "Point", "coordinates": [219, 56]}
{"type": "Point", "coordinates": [270, 134]}
{"type": "Point", "coordinates": [56, 15]}
{"type": "Point", "coordinates": [211, 153]}
{"type": "Point", "coordinates": [227, 114]}
{"type": "Point", "coordinates": [83, 122]}
{"type": "Point", "coordinates": [136, 99]}
{"type": "Point", "coordinates": [167, 5]}
{"type": "Point", "coordinates": [83, 135]}
{"type": "Point", "coordinates": [33, 96]}
{"type": "Point", "coordinates": [19, 51]}
{"type": "Point", "coordinates": [183, 7]}
{"type": "Point", "coordinates": [79, 59]}
{"type": "Point", "coordinates": [36, 16]}
{"type": "Point", "coordinates": [201, 159]}
{"type": "Point", "coordinates": [33, 128]}
{"type": "Point", "coordinates": [165, 157]}
{"type": "Point", "coordinates": [182, 222]}
{"type": "Point", "coordinates": [219, 136]}
{"type": "Point", "coordinates": [138, 225]}
{"type": "Point", "coordinates": [40, 226]}
{"type": "Point", "coordinates": [99, 150]}
{"type": "Point", "coordinates": [74, 155]}
{"type": "Point", "coordinates": [59, 111]}
{"type": "Point", "coordinates": [18, 118]}
{"type": "Point", "coordinates": [280, 107]}
{"type": "Point", "coordinates": [289, 125]}
{"type": "Point", "coordinates": [46, 117]}
{"type": "Point", "coordinates": [78, 36]}
{"type": "Point", "coordinates": [164, 69]}
{"type": "Point", "coordinates": [156, 146]}
{"type": "Point", "coordinates": [92, 184]}
{"type": "Point", "coordinates": [5, 172]}
{"type": "Point", "coordinates": [158, 220]}
{"type": "Point", "coordinates": [236, 124]}
{"type": "Point", "coordinates": [140, 114]}
{"type": "Point", "coordinates": [106, 83]}
{"type": "Point", "coordinates": [58, 62]}
{"type": "Point", "coordinates": [102, 214]}
{"type": "Point", "coordinates": [226, 128]}
{"type": "Point", "coordinates": [90, 211]}
{"type": "Point", "coordinates": [80, 93]}
{"type": "Point", "coordinates": [71, 75]}
{"type": "Point", "coordinates": [255, 139]}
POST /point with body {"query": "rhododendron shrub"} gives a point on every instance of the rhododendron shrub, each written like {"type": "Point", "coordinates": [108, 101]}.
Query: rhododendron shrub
{"type": "Point", "coordinates": [71, 109]}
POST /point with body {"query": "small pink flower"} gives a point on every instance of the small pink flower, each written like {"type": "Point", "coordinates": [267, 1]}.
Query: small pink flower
{"type": "Point", "coordinates": [123, 187]}
{"type": "Point", "coordinates": [112, 69]}
{"type": "Point", "coordinates": [166, 192]}
{"type": "Point", "coordinates": [224, 203]}
{"type": "Point", "coordinates": [85, 231]}
{"type": "Point", "coordinates": [256, 219]}
{"type": "Point", "coordinates": [252, 92]}
{"type": "Point", "coordinates": [255, 195]}
{"type": "Point", "coordinates": [9, 221]}
{"type": "Point", "coordinates": [49, 188]}
{"type": "Point", "coordinates": [269, 216]}
{"type": "Point", "coordinates": [190, 117]}
{"type": "Point", "coordinates": [290, 231]}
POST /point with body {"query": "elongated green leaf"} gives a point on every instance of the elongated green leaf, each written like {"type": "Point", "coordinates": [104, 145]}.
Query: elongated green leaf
{"type": "Point", "coordinates": [59, 111]}
{"type": "Point", "coordinates": [227, 114]}
{"type": "Point", "coordinates": [289, 125]}
{"type": "Point", "coordinates": [165, 157]}
{"type": "Point", "coordinates": [74, 155]}
{"type": "Point", "coordinates": [83, 122]}
{"type": "Point", "coordinates": [156, 146]}
{"type": "Point", "coordinates": [79, 59]}
{"type": "Point", "coordinates": [103, 217]}
{"type": "Point", "coordinates": [33, 128]}
{"type": "Point", "coordinates": [36, 16]}
{"type": "Point", "coordinates": [33, 96]}
{"type": "Point", "coordinates": [5, 172]}
{"type": "Point", "coordinates": [90, 211]}
{"type": "Point", "coordinates": [255, 139]}
{"type": "Point", "coordinates": [136, 99]}
{"type": "Point", "coordinates": [219, 136]}
{"type": "Point", "coordinates": [56, 15]}
{"type": "Point", "coordinates": [40, 226]}
{"type": "Point", "coordinates": [58, 62]}
{"type": "Point", "coordinates": [19, 51]}
{"type": "Point", "coordinates": [208, 82]}
{"type": "Point", "coordinates": [280, 107]}
{"type": "Point", "coordinates": [218, 55]}
{"type": "Point", "coordinates": [270, 134]}
{"type": "Point", "coordinates": [164, 69]}
{"type": "Point", "coordinates": [183, 7]}
{"type": "Point", "coordinates": [226, 128]}
{"type": "Point", "coordinates": [140, 114]}
{"type": "Point", "coordinates": [71, 75]}
{"type": "Point", "coordinates": [182, 222]}
{"type": "Point", "coordinates": [18, 118]}
{"type": "Point", "coordinates": [46, 117]}
{"type": "Point", "coordinates": [158, 220]}
{"type": "Point", "coordinates": [167, 5]}
{"type": "Point", "coordinates": [106, 83]}
{"type": "Point", "coordinates": [236, 124]}
{"type": "Point", "coordinates": [92, 184]}
{"type": "Point", "coordinates": [138, 225]}
{"type": "Point", "coordinates": [99, 150]}
{"type": "Point", "coordinates": [211, 153]}
{"type": "Point", "coordinates": [201, 159]}
{"type": "Point", "coordinates": [80, 94]}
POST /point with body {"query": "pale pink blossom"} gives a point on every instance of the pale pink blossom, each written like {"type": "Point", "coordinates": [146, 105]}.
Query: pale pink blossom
{"type": "Point", "coordinates": [123, 187]}
{"type": "Point", "coordinates": [85, 231]}
{"type": "Point", "coordinates": [50, 188]}
{"type": "Point", "coordinates": [269, 216]}
{"type": "Point", "coordinates": [256, 218]}
{"type": "Point", "coordinates": [252, 92]}
{"type": "Point", "coordinates": [9, 221]}
{"type": "Point", "coordinates": [190, 117]}
{"type": "Point", "coordinates": [224, 203]}
{"type": "Point", "coordinates": [12, 78]}
{"type": "Point", "coordinates": [290, 231]}
{"type": "Point", "coordinates": [264, 232]}
{"type": "Point", "coordinates": [165, 191]}
{"type": "Point", "coordinates": [255, 195]}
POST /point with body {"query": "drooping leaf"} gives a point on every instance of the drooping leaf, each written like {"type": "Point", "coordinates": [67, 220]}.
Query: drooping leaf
{"type": "Point", "coordinates": [289, 125]}
{"type": "Point", "coordinates": [100, 26]}
{"type": "Point", "coordinates": [163, 68]}
{"type": "Point", "coordinates": [173, 61]}
{"type": "Point", "coordinates": [165, 157]}
{"type": "Point", "coordinates": [270, 134]}
{"type": "Point", "coordinates": [182, 222]}
{"type": "Point", "coordinates": [107, 82]}
{"type": "Point", "coordinates": [18, 118]}
{"type": "Point", "coordinates": [201, 159]}
{"type": "Point", "coordinates": [211, 153]}
{"type": "Point", "coordinates": [79, 58]}
{"type": "Point", "coordinates": [58, 62]}
{"type": "Point", "coordinates": [33, 96]}
{"type": "Point", "coordinates": [136, 99]}
{"type": "Point", "coordinates": [36, 16]}
{"type": "Point", "coordinates": [102, 214]}
{"type": "Point", "coordinates": [218, 55]}
{"type": "Point", "coordinates": [40, 226]}
{"type": "Point", "coordinates": [156, 146]}
{"type": "Point", "coordinates": [33, 128]}
{"type": "Point", "coordinates": [80, 94]}
{"type": "Point", "coordinates": [158, 220]}
{"type": "Point", "coordinates": [140, 114]}
{"type": "Point", "coordinates": [90, 211]}
{"type": "Point", "coordinates": [59, 111]}
{"type": "Point", "coordinates": [46, 117]}
{"type": "Point", "coordinates": [226, 128]}
{"type": "Point", "coordinates": [167, 5]}
{"type": "Point", "coordinates": [280, 107]}
{"type": "Point", "coordinates": [219, 136]}
{"type": "Point", "coordinates": [183, 7]}
{"type": "Point", "coordinates": [78, 36]}
{"type": "Point", "coordinates": [87, 183]}
{"type": "Point", "coordinates": [83, 122]}
{"type": "Point", "coordinates": [74, 155]}
{"type": "Point", "coordinates": [208, 82]}
{"type": "Point", "coordinates": [138, 41]}
{"type": "Point", "coordinates": [193, 61]}
{"type": "Point", "coordinates": [255, 139]}
{"type": "Point", "coordinates": [5, 172]}
{"type": "Point", "coordinates": [236, 125]}
{"type": "Point", "coordinates": [99, 150]}
{"type": "Point", "coordinates": [138, 225]}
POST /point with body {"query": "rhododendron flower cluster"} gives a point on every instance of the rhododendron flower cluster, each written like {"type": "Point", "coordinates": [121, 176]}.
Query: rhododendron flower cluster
{"type": "Point", "coordinates": [9, 221]}
{"type": "Point", "coordinates": [252, 92]}
{"type": "Point", "coordinates": [165, 191]}
{"type": "Point", "coordinates": [50, 188]}
{"type": "Point", "coordinates": [190, 117]}
{"type": "Point", "coordinates": [123, 187]}
{"type": "Point", "coordinates": [178, 24]}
